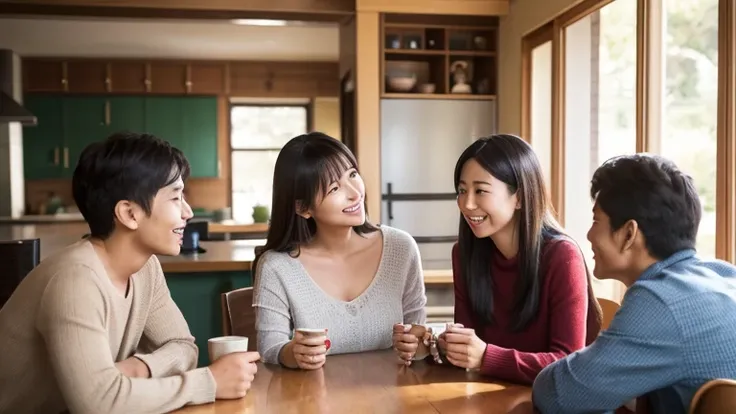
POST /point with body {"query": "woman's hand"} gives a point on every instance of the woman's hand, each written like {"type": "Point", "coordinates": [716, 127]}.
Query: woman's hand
{"type": "Point", "coordinates": [310, 350]}
{"type": "Point", "coordinates": [462, 347]}
{"type": "Point", "coordinates": [405, 342]}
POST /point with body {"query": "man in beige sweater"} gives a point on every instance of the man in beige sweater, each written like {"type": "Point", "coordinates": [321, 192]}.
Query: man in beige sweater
{"type": "Point", "coordinates": [93, 328]}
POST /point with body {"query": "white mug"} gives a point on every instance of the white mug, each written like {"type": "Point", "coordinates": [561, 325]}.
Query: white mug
{"type": "Point", "coordinates": [223, 345]}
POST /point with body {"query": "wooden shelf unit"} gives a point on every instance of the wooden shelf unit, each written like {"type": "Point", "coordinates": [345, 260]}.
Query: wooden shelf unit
{"type": "Point", "coordinates": [429, 47]}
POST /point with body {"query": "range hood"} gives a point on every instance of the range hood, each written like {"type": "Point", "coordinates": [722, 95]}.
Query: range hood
{"type": "Point", "coordinates": [12, 111]}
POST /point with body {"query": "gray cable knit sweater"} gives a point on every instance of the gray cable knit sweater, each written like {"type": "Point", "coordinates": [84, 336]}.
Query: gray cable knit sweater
{"type": "Point", "coordinates": [286, 298]}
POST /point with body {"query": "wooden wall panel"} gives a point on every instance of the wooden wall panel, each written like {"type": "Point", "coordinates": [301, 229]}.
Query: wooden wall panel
{"type": "Point", "coordinates": [447, 7]}
{"type": "Point", "coordinates": [368, 105]}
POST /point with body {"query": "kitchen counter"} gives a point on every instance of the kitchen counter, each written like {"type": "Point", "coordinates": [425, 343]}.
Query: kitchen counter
{"type": "Point", "coordinates": [221, 256]}
{"type": "Point", "coordinates": [62, 218]}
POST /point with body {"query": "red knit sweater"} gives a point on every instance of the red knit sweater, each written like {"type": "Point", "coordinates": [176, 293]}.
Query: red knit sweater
{"type": "Point", "coordinates": [559, 328]}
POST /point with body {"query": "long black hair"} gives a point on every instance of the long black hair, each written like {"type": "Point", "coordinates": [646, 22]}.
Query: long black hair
{"type": "Point", "coordinates": [306, 165]}
{"type": "Point", "coordinates": [512, 161]}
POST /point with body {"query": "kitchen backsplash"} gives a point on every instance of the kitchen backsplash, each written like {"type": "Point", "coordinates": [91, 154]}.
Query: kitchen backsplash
{"type": "Point", "coordinates": [209, 193]}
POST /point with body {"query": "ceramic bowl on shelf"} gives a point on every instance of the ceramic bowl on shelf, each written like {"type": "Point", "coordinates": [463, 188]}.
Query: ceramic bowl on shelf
{"type": "Point", "coordinates": [401, 83]}
{"type": "Point", "coordinates": [427, 88]}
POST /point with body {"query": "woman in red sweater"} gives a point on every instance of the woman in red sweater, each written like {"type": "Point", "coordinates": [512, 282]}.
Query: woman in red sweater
{"type": "Point", "coordinates": [523, 294]}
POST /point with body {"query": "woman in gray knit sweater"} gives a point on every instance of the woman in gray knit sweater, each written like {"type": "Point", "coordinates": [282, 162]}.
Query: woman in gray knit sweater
{"type": "Point", "coordinates": [325, 266]}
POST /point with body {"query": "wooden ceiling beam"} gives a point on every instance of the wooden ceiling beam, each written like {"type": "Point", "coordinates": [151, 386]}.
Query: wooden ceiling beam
{"type": "Point", "coordinates": [304, 10]}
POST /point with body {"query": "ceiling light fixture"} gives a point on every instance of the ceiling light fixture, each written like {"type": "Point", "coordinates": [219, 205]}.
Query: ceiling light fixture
{"type": "Point", "coordinates": [259, 22]}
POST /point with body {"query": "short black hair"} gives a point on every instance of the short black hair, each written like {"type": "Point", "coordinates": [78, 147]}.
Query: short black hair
{"type": "Point", "coordinates": [125, 166]}
{"type": "Point", "coordinates": [653, 191]}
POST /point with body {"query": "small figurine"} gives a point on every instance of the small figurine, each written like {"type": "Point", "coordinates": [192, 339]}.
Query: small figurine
{"type": "Point", "coordinates": [459, 70]}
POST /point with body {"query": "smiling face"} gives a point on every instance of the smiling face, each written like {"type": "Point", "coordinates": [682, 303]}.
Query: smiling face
{"type": "Point", "coordinates": [161, 231]}
{"type": "Point", "coordinates": [609, 247]}
{"type": "Point", "coordinates": [342, 203]}
{"type": "Point", "coordinates": [485, 202]}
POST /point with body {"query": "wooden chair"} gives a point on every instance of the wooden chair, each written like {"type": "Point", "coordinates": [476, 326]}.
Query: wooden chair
{"type": "Point", "coordinates": [715, 396]}
{"type": "Point", "coordinates": [17, 259]}
{"type": "Point", "coordinates": [609, 309]}
{"type": "Point", "coordinates": [238, 315]}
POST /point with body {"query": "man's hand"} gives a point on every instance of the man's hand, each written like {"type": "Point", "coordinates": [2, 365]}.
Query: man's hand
{"type": "Point", "coordinates": [234, 373]}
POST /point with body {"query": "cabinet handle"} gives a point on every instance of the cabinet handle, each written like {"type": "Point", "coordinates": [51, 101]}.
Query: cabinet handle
{"type": "Point", "coordinates": [108, 85]}
{"type": "Point", "coordinates": [107, 112]}
{"type": "Point", "coordinates": [147, 82]}
{"type": "Point", "coordinates": [64, 77]}
{"type": "Point", "coordinates": [56, 155]}
{"type": "Point", "coordinates": [66, 157]}
{"type": "Point", "coordinates": [188, 85]}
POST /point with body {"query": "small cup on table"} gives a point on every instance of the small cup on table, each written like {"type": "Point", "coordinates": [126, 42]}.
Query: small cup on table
{"type": "Point", "coordinates": [223, 345]}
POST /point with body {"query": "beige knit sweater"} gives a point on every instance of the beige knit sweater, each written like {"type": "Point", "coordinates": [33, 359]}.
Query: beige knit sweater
{"type": "Point", "coordinates": [286, 298]}
{"type": "Point", "coordinates": [65, 327]}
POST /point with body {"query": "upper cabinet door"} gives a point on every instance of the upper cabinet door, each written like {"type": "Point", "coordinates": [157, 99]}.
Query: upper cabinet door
{"type": "Point", "coordinates": [89, 76]}
{"type": "Point", "coordinates": [189, 124]}
{"type": "Point", "coordinates": [45, 75]}
{"type": "Point", "coordinates": [126, 113]}
{"type": "Point", "coordinates": [43, 143]}
{"type": "Point", "coordinates": [208, 78]}
{"type": "Point", "coordinates": [86, 120]}
{"type": "Point", "coordinates": [200, 135]}
{"type": "Point", "coordinates": [129, 76]}
{"type": "Point", "coordinates": [168, 77]}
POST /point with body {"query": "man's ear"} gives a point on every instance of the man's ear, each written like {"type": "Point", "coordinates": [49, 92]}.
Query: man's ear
{"type": "Point", "coordinates": [629, 231]}
{"type": "Point", "coordinates": [128, 214]}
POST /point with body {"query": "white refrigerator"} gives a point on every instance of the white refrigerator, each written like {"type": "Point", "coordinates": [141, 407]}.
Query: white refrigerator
{"type": "Point", "coordinates": [421, 140]}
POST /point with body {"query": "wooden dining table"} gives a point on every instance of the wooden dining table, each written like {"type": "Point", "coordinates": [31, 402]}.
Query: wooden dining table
{"type": "Point", "coordinates": [373, 382]}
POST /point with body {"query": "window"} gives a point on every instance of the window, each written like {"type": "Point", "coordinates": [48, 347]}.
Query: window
{"type": "Point", "coordinates": [537, 90]}
{"type": "Point", "coordinates": [256, 137]}
{"type": "Point", "coordinates": [600, 111]}
{"type": "Point", "coordinates": [541, 107]}
{"type": "Point", "coordinates": [639, 75]}
{"type": "Point", "coordinates": [691, 101]}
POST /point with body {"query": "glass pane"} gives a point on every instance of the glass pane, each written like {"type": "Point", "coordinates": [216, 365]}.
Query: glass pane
{"type": "Point", "coordinates": [541, 107]}
{"type": "Point", "coordinates": [691, 99]}
{"type": "Point", "coordinates": [600, 111]}
{"type": "Point", "coordinates": [252, 182]}
{"type": "Point", "coordinates": [270, 127]}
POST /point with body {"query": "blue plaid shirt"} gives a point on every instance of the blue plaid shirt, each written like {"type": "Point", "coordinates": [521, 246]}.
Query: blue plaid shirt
{"type": "Point", "coordinates": [675, 330]}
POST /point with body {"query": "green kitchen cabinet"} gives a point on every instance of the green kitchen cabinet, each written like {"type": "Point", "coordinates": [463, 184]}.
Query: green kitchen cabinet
{"type": "Point", "coordinates": [127, 113]}
{"type": "Point", "coordinates": [190, 124]}
{"type": "Point", "coordinates": [86, 120]}
{"type": "Point", "coordinates": [200, 135]}
{"type": "Point", "coordinates": [89, 119]}
{"type": "Point", "coordinates": [43, 144]}
{"type": "Point", "coordinates": [197, 295]}
{"type": "Point", "coordinates": [68, 123]}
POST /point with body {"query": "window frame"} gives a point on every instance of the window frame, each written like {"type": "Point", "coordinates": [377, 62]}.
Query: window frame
{"type": "Point", "coordinates": [649, 101]}
{"type": "Point", "coordinates": [308, 111]}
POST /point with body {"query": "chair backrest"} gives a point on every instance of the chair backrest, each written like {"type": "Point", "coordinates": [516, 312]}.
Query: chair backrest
{"type": "Point", "coordinates": [238, 315]}
{"type": "Point", "coordinates": [715, 397]}
{"type": "Point", "coordinates": [609, 309]}
{"type": "Point", "coordinates": [17, 259]}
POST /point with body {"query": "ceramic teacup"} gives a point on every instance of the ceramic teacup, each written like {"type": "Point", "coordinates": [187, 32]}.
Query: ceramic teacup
{"type": "Point", "coordinates": [311, 332]}
{"type": "Point", "coordinates": [223, 345]}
